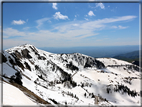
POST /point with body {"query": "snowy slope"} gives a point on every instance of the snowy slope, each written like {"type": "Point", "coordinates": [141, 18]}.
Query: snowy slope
{"type": "Point", "coordinates": [14, 96]}
{"type": "Point", "coordinates": [113, 61]}
{"type": "Point", "coordinates": [74, 79]}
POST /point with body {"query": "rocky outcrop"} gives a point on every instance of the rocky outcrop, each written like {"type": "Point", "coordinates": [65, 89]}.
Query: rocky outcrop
{"type": "Point", "coordinates": [3, 58]}
{"type": "Point", "coordinates": [26, 54]}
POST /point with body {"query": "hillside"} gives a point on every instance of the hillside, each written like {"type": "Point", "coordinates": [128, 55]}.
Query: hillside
{"type": "Point", "coordinates": [72, 79]}
{"type": "Point", "coordinates": [130, 56]}
{"type": "Point", "coordinates": [13, 96]}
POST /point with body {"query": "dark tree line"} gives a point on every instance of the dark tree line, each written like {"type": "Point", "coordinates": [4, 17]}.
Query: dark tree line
{"type": "Point", "coordinates": [129, 67]}
{"type": "Point", "coordinates": [123, 89]}
{"type": "Point", "coordinates": [70, 94]}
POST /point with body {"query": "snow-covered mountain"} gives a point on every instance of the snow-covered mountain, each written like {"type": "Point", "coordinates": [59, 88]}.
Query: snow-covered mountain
{"type": "Point", "coordinates": [13, 96]}
{"type": "Point", "coordinates": [72, 79]}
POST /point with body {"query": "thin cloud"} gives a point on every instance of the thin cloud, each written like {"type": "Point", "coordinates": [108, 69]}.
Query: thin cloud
{"type": "Point", "coordinates": [91, 6]}
{"type": "Point", "coordinates": [119, 27]}
{"type": "Point", "coordinates": [13, 32]}
{"type": "Point", "coordinates": [86, 19]}
{"type": "Point", "coordinates": [8, 43]}
{"type": "Point", "coordinates": [75, 24]}
{"type": "Point", "coordinates": [54, 6]}
{"type": "Point", "coordinates": [101, 5]}
{"type": "Point", "coordinates": [67, 34]}
{"type": "Point", "coordinates": [18, 22]}
{"type": "Point", "coordinates": [123, 18]}
{"type": "Point", "coordinates": [76, 16]}
{"type": "Point", "coordinates": [90, 13]}
{"type": "Point", "coordinates": [122, 27]}
{"type": "Point", "coordinates": [58, 15]}
{"type": "Point", "coordinates": [26, 28]}
{"type": "Point", "coordinates": [41, 21]}
{"type": "Point", "coordinates": [114, 27]}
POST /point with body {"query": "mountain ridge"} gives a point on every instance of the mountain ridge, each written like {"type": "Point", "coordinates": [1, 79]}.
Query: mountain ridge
{"type": "Point", "coordinates": [72, 77]}
{"type": "Point", "coordinates": [134, 55]}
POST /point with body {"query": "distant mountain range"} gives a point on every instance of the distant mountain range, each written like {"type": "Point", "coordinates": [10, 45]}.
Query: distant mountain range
{"type": "Point", "coordinates": [130, 56]}
{"type": "Point", "coordinates": [93, 51]}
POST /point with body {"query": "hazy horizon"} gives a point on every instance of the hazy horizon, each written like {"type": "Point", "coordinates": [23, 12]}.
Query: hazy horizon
{"type": "Point", "coordinates": [5, 48]}
{"type": "Point", "coordinates": [94, 51]}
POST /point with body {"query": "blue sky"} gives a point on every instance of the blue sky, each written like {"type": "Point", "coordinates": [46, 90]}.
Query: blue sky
{"type": "Point", "coordinates": [70, 24]}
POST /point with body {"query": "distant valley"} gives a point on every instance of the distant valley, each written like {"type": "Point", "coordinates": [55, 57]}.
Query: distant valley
{"type": "Point", "coordinates": [93, 51]}
{"type": "Point", "coordinates": [132, 57]}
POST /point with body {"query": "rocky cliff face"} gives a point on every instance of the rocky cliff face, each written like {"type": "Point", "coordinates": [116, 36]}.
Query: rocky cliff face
{"type": "Point", "coordinates": [72, 78]}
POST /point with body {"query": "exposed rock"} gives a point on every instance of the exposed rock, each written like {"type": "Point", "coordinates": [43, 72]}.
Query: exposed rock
{"type": "Point", "coordinates": [72, 67]}
{"type": "Point", "coordinates": [34, 50]}
{"type": "Point", "coordinates": [41, 57]}
{"type": "Point", "coordinates": [99, 64]}
{"type": "Point", "coordinates": [90, 62]}
{"type": "Point", "coordinates": [11, 61]}
{"type": "Point", "coordinates": [27, 66]}
{"type": "Point", "coordinates": [136, 63]}
{"type": "Point", "coordinates": [17, 54]}
{"type": "Point", "coordinates": [3, 58]}
{"type": "Point", "coordinates": [25, 53]}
